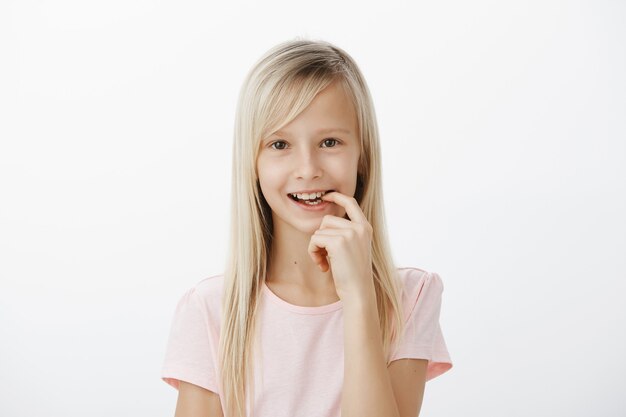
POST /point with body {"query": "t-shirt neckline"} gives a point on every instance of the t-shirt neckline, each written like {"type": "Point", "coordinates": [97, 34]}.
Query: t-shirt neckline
{"type": "Point", "coordinates": [301, 309]}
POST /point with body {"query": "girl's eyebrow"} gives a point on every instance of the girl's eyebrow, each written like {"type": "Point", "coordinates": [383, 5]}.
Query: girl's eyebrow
{"type": "Point", "coordinates": [320, 131]}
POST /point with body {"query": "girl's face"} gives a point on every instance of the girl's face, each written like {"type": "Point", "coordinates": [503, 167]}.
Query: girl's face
{"type": "Point", "coordinates": [318, 150]}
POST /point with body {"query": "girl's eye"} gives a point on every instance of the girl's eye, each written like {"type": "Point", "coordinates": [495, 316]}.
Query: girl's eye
{"type": "Point", "coordinates": [274, 143]}
{"type": "Point", "coordinates": [331, 139]}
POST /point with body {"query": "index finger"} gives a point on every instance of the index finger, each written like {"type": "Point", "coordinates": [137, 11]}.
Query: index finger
{"type": "Point", "coordinates": [349, 203]}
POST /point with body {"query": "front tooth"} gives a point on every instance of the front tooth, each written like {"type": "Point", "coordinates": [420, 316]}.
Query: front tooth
{"type": "Point", "coordinates": [311, 196]}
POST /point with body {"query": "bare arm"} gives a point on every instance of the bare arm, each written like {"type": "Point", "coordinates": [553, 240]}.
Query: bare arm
{"type": "Point", "coordinates": [367, 386]}
{"type": "Point", "coordinates": [408, 378]}
{"type": "Point", "coordinates": [195, 401]}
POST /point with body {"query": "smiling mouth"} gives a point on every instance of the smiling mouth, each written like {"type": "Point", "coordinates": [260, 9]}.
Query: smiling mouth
{"type": "Point", "coordinates": [295, 198]}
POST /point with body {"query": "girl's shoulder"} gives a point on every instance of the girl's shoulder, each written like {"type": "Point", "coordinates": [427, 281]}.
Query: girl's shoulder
{"type": "Point", "coordinates": [413, 276]}
{"type": "Point", "coordinates": [415, 282]}
{"type": "Point", "coordinates": [210, 284]}
{"type": "Point", "coordinates": [207, 292]}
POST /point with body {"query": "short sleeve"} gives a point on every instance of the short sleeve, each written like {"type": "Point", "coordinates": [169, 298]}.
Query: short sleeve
{"type": "Point", "coordinates": [189, 354]}
{"type": "Point", "coordinates": [423, 337]}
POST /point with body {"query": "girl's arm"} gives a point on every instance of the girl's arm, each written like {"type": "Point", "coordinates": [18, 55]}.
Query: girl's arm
{"type": "Point", "coordinates": [408, 378]}
{"type": "Point", "coordinates": [370, 388]}
{"type": "Point", "coordinates": [367, 387]}
{"type": "Point", "coordinates": [195, 401]}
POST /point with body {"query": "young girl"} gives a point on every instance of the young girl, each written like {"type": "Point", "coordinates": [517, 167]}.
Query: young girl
{"type": "Point", "coordinates": [311, 317]}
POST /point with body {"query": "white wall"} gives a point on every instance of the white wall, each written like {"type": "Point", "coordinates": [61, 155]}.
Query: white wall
{"type": "Point", "coordinates": [504, 143]}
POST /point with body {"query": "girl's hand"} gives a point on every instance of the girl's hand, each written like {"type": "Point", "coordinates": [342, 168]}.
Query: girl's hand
{"type": "Point", "coordinates": [348, 246]}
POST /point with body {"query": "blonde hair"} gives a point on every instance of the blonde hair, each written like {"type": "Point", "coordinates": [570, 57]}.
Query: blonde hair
{"type": "Point", "coordinates": [280, 85]}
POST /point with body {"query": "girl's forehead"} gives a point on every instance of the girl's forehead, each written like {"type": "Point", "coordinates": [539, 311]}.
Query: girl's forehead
{"type": "Point", "coordinates": [316, 132]}
{"type": "Point", "coordinates": [331, 111]}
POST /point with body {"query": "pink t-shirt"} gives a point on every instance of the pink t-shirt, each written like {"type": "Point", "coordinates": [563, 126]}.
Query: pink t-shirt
{"type": "Point", "coordinates": [299, 368]}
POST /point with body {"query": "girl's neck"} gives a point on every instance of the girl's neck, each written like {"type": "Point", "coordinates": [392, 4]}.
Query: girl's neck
{"type": "Point", "coordinates": [291, 264]}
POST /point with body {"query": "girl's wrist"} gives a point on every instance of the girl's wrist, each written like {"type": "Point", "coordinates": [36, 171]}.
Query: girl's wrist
{"type": "Point", "coordinates": [361, 300]}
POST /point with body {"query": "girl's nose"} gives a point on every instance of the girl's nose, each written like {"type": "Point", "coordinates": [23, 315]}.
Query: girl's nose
{"type": "Point", "coordinates": [307, 165]}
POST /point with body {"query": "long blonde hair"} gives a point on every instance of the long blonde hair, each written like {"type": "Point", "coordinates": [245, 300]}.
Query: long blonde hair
{"type": "Point", "coordinates": [280, 85]}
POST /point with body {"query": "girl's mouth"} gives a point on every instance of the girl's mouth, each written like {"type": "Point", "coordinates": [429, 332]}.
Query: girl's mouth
{"type": "Point", "coordinates": [314, 204]}
{"type": "Point", "coordinates": [307, 201]}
